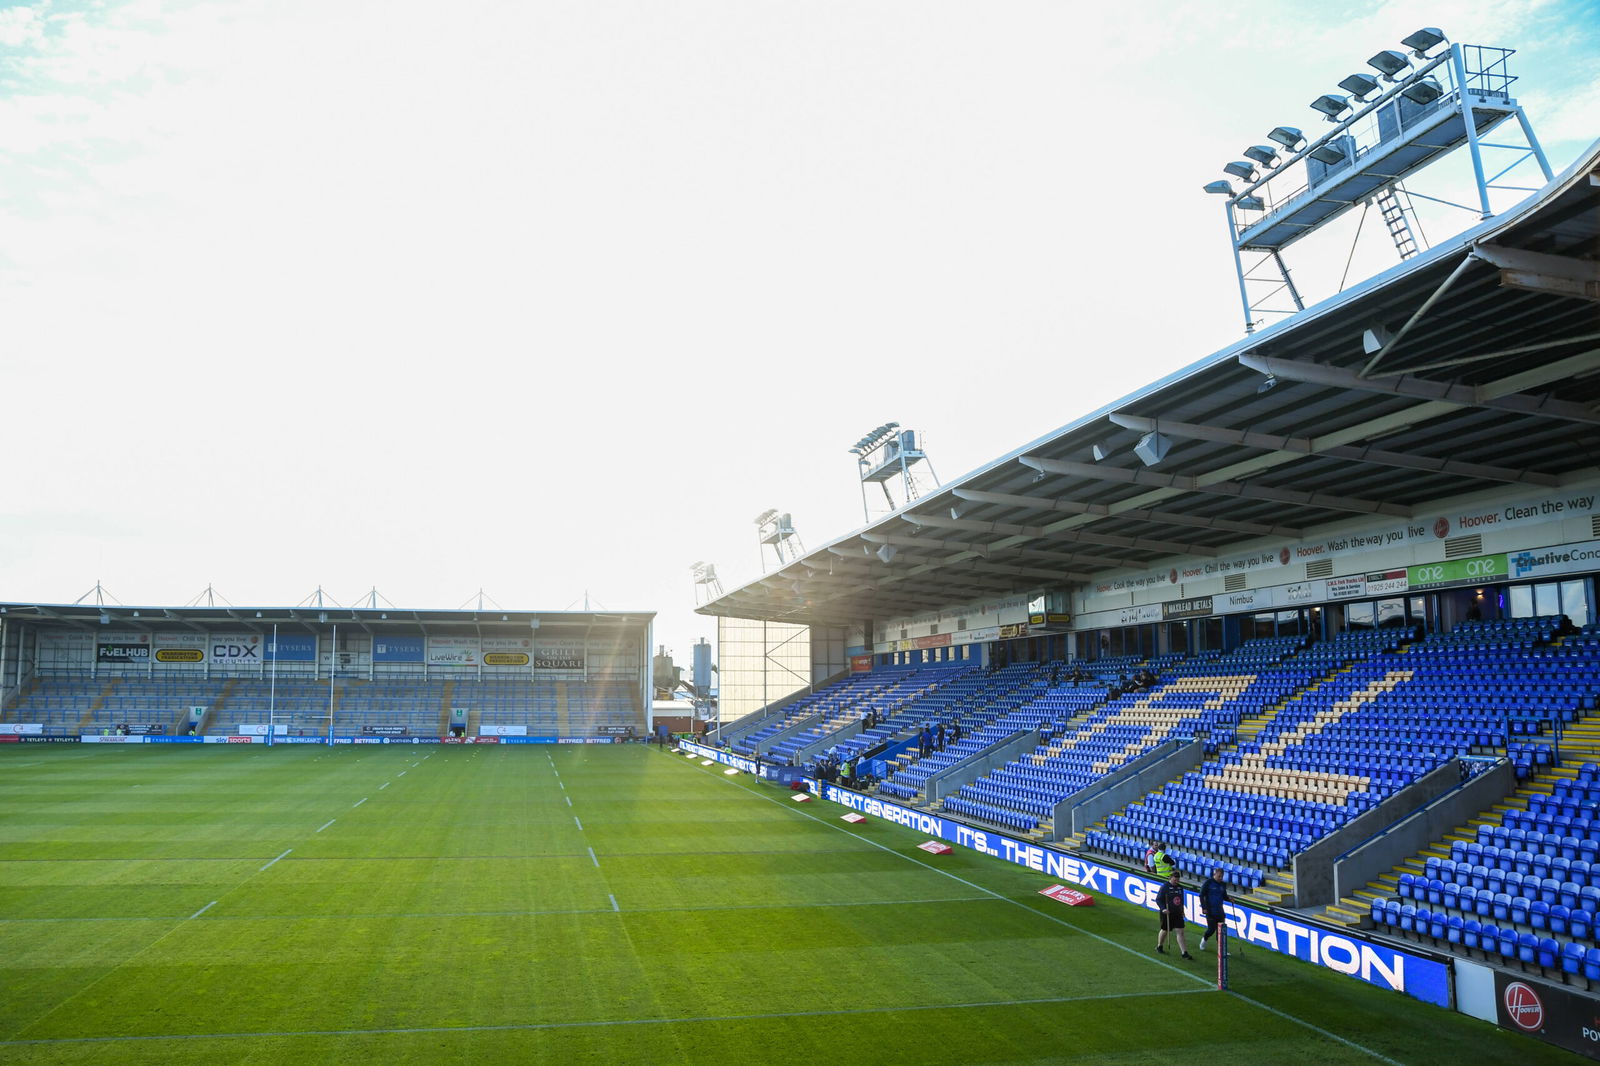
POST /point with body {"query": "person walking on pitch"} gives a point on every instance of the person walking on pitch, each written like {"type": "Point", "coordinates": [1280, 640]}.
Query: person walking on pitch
{"type": "Point", "coordinates": [1213, 894]}
{"type": "Point", "coordinates": [1169, 901]}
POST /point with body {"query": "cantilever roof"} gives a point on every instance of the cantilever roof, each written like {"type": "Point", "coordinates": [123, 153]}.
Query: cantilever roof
{"type": "Point", "coordinates": [1491, 380]}
{"type": "Point", "coordinates": [261, 619]}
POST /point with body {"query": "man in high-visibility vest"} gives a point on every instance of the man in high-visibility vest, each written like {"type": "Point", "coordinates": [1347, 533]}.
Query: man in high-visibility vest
{"type": "Point", "coordinates": [1160, 862]}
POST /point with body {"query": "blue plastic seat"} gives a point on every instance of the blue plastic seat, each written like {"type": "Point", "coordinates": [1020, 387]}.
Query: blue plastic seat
{"type": "Point", "coordinates": [1571, 958]}
{"type": "Point", "coordinates": [1454, 928]}
{"type": "Point", "coordinates": [1591, 964]}
{"type": "Point", "coordinates": [1548, 953]}
{"type": "Point", "coordinates": [1527, 947]}
{"type": "Point", "coordinates": [1501, 907]}
{"type": "Point", "coordinates": [1519, 910]}
{"type": "Point", "coordinates": [1408, 886]}
{"type": "Point", "coordinates": [1471, 930]}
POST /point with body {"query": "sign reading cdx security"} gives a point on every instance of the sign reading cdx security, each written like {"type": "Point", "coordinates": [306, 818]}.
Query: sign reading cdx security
{"type": "Point", "coordinates": [242, 649]}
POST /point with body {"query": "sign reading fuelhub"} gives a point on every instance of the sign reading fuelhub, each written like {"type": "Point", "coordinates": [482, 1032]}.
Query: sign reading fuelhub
{"type": "Point", "coordinates": [1421, 978]}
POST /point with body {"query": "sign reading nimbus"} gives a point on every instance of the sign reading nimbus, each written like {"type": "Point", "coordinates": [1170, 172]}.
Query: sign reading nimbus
{"type": "Point", "coordinates": [1420, 978]}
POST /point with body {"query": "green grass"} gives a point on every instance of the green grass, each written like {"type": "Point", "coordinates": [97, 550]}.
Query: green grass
{"type": "Point", "coordinates": [456, 915]}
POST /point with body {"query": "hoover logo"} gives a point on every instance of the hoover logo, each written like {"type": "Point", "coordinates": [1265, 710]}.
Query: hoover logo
{"type": "Point", "coordinates": [1524, 1007]}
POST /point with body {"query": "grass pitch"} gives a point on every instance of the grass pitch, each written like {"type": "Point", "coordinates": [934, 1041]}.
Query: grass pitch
{"type": "Point", "coordinates": [485, 904]}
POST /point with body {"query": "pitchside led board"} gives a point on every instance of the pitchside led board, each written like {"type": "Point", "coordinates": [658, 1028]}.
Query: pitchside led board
{"type": "Point", "coordinates": [1418, 977]}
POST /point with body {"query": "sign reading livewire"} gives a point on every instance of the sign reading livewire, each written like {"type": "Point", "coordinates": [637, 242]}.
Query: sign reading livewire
{"type": "Point", "coordinates": [1551, 1013]}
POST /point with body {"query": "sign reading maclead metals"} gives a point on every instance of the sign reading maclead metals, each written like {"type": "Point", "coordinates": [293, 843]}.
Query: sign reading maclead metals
{"type": "Point", "coordinates": [1418, 977]}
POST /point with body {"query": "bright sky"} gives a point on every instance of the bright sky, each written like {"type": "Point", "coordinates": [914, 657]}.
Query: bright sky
{"type": "Point", "coordinates": [552, 297]}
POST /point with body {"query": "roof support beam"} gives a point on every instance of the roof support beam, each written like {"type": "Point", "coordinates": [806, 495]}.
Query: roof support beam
{"type": "Point", "coordinates": [1494, 395]}
{"type": "Point", "coordinates": [1557, 275]}
{"type": "Point", "coordinates": [1215, 488]}
{"type": "Point", "coordinates": [1259, 529]}
{"type": "Point", "coordinates": [1306, 446]}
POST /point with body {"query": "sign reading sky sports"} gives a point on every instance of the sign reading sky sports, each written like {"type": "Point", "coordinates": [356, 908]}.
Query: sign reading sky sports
{"type": "Point", "coordinates": [1421, 978]}
{"type": "Point", "coordinates": [397, 649]}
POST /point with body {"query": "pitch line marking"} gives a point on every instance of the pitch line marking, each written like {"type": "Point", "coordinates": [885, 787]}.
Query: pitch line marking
{"type": "Point", "coordinates": [328, 823]}
{"type": "Point", "coordinates": [609, 1024]}
{"type": "Point", "coordinates": [202, 910]}
{"type": "Point", "coordinates": [358, 803]}
{"type": "Point", "coordinates": [568, 799]}
{"type": "Point", "coordinates": [285, 852]}
{"type": "Point", "coordinates": [432, 915]}
{"type": "Point", "coordinates": [614, 906]}
{"type": "Point", "coordinates": [402, 773]}
{"type": "Point", "coordinates": [593, 857]}
{"type": "Point", "coordinates": [578, 823]}
{"type": "Point", "coordinates": [1079, 929]}
{"type": "Point", "coordinates": [383, 786]}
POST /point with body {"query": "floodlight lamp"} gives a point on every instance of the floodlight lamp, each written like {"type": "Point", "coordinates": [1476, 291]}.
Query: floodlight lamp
{"type": "Point", "coordinates": [1423, 91]}
{"type": "Point", "coordinates": [887, 552]}
{"type": "Point", "coordinates": [1250, 203]}
{"type": "Point", "coordinates": [1288, 136]}
{"type": "Point", "coordinates": [1360, 86]}
{"type": "Point", "coordinates": [957, 510]}
{"type": "Point", "coordinates": [1100, 452]}
{"type": "Point", "coordinates": [1422, 40]}
{"type": "Point", "coordinates": [1390, 64]}
{"type": "Point", "coordinates": [1375, 339]}
{"type": "Point", "coordinates": [1267, 385]}
{"type": "Point", "coordinates": [1152, 448]}
{"type": "Point", "coordinates": [1331, 154]}
{"type": "Point", "coordinates": [1260, 153]}
{"type": "Point", "coordinates": [1222, 188]}
{"type": "Point", "coordinates": [1332, 105]}
{"type": "Point", "coordinates": [1241, 170]}
{"type": "Point", "coordinates": [766, 516]}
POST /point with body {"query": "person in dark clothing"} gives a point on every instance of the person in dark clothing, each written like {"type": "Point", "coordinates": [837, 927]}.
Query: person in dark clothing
{"type": "Point", "coordinates": [955, 732]}
{"type": "Point", "coordinates": [1213, 894]}
{"type": "Point", "coordinates": [1169, 901]}
{"type": "Point", "coordinates": [938, 737]}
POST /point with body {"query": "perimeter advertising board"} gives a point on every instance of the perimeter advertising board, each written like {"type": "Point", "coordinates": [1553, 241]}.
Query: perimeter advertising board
{"type": "Point", "coordinates": [1421, 978]}
{"type": "Point", "coordinates": [560, 656]}
{"type": "Point", "coordinates": [1548, 1012]}
{"type": "Point", "coordinates": [1418, 977]}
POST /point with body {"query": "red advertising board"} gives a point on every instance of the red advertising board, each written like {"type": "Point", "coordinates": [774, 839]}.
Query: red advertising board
{"type": "Point", "coordinates": [860, 664]}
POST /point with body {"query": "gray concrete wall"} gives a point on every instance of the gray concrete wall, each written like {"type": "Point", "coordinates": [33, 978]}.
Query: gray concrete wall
{"type": "Point", "coordinates": [1313, 867]}
{"type": "Point", "coordinates": [1410, 835]}
{"type": "Point", "coordinates": [980, 762]}
{"type": "Point", "coordinates": [1169, 760]}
